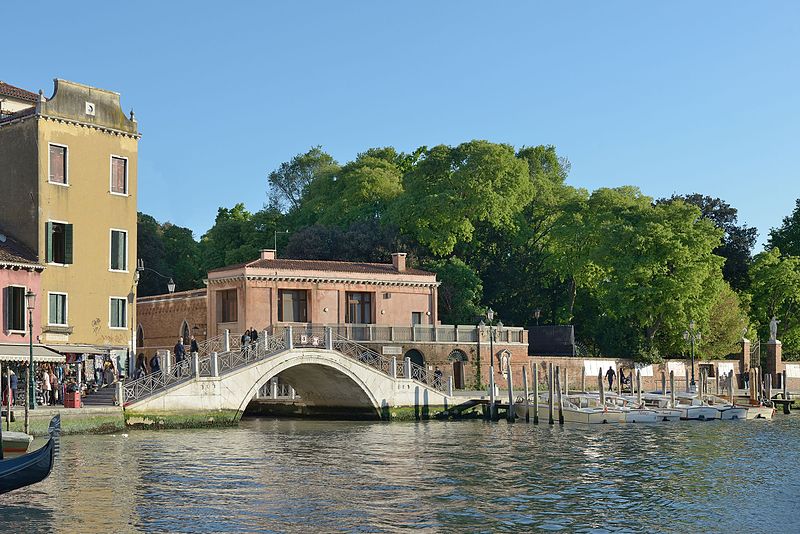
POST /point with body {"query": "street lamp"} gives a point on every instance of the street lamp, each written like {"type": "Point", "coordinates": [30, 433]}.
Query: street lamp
{"type": "Point", "coordinates": [171, 286]}
{"type": "Point", "coordinates": [30, 303]}
{"type": "Point", "coordinates": [691, 336]}
{"type": "Point", "coordinates": [537, 313]}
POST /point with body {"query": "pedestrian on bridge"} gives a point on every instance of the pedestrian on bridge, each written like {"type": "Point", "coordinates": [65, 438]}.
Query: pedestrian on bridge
{"type": "Point", "coordinates": [193, 346]}
{"type": "Point", "coordinates": [180, 351]}
{"type": "Point", "coordinates": [155, 365]}
{"type": "Point", "coordinates": [437, 377]}
{"type": "Point", "coordinates": [253, 336]}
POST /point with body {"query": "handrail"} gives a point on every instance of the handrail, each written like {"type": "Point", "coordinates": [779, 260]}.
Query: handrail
{"type": "Point", "coordinates": [232, 360]}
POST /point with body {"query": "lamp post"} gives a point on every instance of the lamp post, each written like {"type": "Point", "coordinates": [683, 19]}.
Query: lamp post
{"type": "Point", "coordinates": [30, 402]}
{"type": "Point", "coordinates": [691, 336]}
{"type": "Point", "coordinates": [140, 267]}
{"type": "Point", "coordinates": [131, 315]}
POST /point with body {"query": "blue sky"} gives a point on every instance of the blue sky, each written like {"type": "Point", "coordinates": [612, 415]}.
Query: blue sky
{"type": "Point", "coordinates": [668, 96]}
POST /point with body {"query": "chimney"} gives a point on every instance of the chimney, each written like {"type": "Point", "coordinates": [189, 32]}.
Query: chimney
{"type": "Point", "coordinates": [399, 261]}
{"type": "Point", "coordinates": [268, 254]}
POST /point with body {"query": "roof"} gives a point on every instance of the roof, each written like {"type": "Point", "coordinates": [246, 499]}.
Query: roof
{"type": "Point", "coordinates": [14, 252]}
{"type": "Point", "coordinates": [20, 352]}
{"type": "Point", "coordinates": [16, 92]}
{"type": "Point", "coordinates": [327, 266]}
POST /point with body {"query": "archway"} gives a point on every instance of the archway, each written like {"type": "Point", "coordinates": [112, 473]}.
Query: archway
{"type": "Point", "coordinates": [185, 332]}
{"type": "Point", "coordinates": [416, 357]}
{"type": "Point", "coordinates": [459, 358]}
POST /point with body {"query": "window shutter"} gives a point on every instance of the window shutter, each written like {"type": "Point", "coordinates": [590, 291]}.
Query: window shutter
{"type": "Point", "coordinates": [6, 311]}
{"type": "Point", "coordinates": [121, 246]}
{"type": "Point", "coordinates": [48, 240]}
{"type": "Point", "coordinates": [68, 243]}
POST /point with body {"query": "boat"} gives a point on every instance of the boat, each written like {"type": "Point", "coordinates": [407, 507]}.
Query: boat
{"type": "Point", "coordinates": [758, 411]}
{"type": "Point", "coordinates": [16, 442]}
{"type": "Point", "coordinates": [576, 408]}
{"type": "Point", "coordinates": [727, 411]}
{"type": "Point", "coordinates": [32, 467]}
{"type": "Point", "coordinates": [634, 413]}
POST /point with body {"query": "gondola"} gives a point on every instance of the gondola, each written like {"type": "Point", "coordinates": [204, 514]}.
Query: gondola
{"type": "Point", "coordinates": [33, 467]}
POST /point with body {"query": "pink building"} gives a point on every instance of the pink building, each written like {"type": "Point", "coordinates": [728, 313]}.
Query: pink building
{"type": "Point", "coordinates": [270, 292]}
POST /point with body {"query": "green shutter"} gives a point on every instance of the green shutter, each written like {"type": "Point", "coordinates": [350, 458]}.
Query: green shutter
{"type": "Point", "coordinates": [48, 240]}
{"type": "Point", "coordinates": [68, 243]}
{"type": "Point", "coordinates": [6, 311]}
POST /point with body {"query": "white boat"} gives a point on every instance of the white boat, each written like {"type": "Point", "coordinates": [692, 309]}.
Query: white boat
{"type": "Point", "coordinates": [577, 408]}
{"type": "Point", "coordinates": [660, 404]}
{"type": "Point", "coordinates": [16, 442]}
{"type": "Point", "coordinates": [727, 411]}
{"type": "Point", "coordinates": [634, 413]}
{"type": "Point", "coordinates": [758, 412]}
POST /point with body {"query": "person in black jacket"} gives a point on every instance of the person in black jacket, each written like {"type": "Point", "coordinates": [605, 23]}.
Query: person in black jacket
{"type": "Point", "coordinates": [180, 351]}
{"type": "Point", "coordinates": [193, 346]}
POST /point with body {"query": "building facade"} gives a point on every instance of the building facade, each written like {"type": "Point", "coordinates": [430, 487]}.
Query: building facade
{"type": "Point", "coordinates": [386, 306]}
{"type": "Point", "coordinates": [68, 167]}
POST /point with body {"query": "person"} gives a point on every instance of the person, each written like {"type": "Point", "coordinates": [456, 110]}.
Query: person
{"type": "Point", "coordinates": [155, 365]}
{"type": "Point", "coordinates": [47, 387]}
{"type": "Point", "coordinates": [245, 340]}
{"type": "Point", "coordinates": [437, 377]}
{"type": "Point", "coordinates": [54, 394]}
{"type": "Point", "coordinates": [622, 379]}
{"type": "Point", "coordinates": [98, 371]}
{"type": "Point", "coordinates": [610, 375]}
{"type": "Point", "coordinates": [193, 346]}
{"type": "Point", "coordinates": [180, 351]}
{"type": "Point", "coordinates": [253, 336]}
{"type": "Point", "coordinates": [109, 373]}
{"type": "Point", "coordinates": [141, 368]}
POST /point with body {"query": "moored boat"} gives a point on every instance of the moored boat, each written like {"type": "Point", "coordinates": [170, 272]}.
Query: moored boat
{"type": "Point", "coordinates": [16, 442]}
{"type": "Point", "coordinates": [576, 408]}
{"type": "Point", "coordinates": [759, 411]}
{"type": "Point", "coordinates": [32, 467]}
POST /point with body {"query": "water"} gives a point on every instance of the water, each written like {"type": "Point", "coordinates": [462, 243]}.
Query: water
{"type": "Point", "coordinates": [302, 476]}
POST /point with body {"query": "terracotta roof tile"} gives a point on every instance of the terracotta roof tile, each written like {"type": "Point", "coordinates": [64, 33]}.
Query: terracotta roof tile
{"type": "Point", "coordinates": [12, 251]}
{"type": "Point", "coordinates": [328, 266]}
{"type": "Point", "coordinates": [16, 92]}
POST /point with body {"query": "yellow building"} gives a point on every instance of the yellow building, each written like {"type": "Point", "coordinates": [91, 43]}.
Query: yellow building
{"type": "Point", "coordinates": [68, 168]}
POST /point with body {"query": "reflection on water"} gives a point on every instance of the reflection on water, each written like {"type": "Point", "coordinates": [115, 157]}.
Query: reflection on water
{"type": "Point", "coordinates": [301, 476]}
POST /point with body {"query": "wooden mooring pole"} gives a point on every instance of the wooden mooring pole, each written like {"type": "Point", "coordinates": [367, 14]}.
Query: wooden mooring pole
{"type": "Point", "coordinates": [566, 381]}
{"type": "Point", "coordinates": [619, 380]}
{"type": "Point", "coordinates": [550, 393]}
{"type": "Point", "coordinates": [663, 383]}
{"type": "Point", "coordinates": [583, 379]}
{"type": "Point", "coordinates": [527, 402]}
{"type": "Point", "coordinates": [601, 387]}
{"type": "Point", "coordinates": [560, 398]}
{"type": "Point", "coordinates": [511, 413]}
{"type": "Point", "coordinates": [730, 387]}
{"type": "Point", "coordinates": [785, 386]}
{"type": "Point", "coordinates": [638, 387]}
{"type": "Point", "coordinates": [492, 406]}
{"type": "Point", "coordinates": [535, 394]}
{"type": "Point", "coordinates": [672, 389]}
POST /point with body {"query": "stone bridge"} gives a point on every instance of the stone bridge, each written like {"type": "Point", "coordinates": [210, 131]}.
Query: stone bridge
{"type": "Point", "coordinates": [326, 370]}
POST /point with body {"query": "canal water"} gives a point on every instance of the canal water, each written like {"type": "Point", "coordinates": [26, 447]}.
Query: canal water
{"type": "Point", "coordinates": [309, 476]}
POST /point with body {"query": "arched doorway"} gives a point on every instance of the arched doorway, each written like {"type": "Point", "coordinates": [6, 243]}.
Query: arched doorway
{"type": "Point", "coordinates": [186, 334]}
{"type": "Point", "coordinates": [416, 357]}
{"type": "Point", "coordinates": [459, 358]}
{"type": "Point", "coordinates": [139, 338]}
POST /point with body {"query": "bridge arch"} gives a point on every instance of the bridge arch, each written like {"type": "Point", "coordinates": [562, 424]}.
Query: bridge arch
{"type": "Point", "coordinates": [321, 379]}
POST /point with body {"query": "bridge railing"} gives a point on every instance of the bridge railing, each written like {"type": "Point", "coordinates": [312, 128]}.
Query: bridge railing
{"type": "Point", "coordinates": [149, 384]}
{"type": "Point", "coordinates": [217, 344]}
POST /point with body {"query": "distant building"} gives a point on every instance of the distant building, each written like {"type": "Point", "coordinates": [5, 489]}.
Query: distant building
{"type": "Point", "coordinates": [68, 168]}
{"type": "Point", "coordinates": [387, 306]}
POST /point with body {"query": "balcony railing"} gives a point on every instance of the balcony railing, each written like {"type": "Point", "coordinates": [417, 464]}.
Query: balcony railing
{"type": "Point", "coordinates": [411, 334]}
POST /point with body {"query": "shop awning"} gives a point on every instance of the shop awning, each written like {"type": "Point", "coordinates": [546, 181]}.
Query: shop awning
{"type": "Point", "coordinates": [18, 352]}
{"type": "Point", "coordinates": [79, 349]}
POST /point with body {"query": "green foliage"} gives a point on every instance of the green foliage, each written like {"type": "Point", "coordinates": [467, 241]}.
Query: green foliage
{"type": "Point", "coordinates": [288, 183]}
{"type": "Point", "coordinates": [238, 236]}
{"type": "Point", "coordinates": [451, 189]}
{"type": "Point", "coordinates": [775, 288]}
{"type": "Point", "coordinates": [169, 250]}
{"type": "Point", "coordinates": [787, 236]}
{"type": "Point", "coordinates": [727, 322]}
{"type": "Point", "coordinates": [460, 293]}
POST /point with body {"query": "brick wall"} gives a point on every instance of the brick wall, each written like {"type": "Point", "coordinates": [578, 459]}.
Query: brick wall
{"type": "Point", "coordinates": [161, 318]}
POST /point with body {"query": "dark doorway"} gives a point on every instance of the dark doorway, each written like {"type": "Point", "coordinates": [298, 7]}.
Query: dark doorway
{"type": "Point", "coordinates": [416, 357]}
{"type": "Point", "coordinates": [458, 357]}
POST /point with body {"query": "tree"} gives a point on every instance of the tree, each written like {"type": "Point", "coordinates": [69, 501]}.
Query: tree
{"type": "Point", "coordinates": [459, 293]}
{"type": "Point", "coordinates": [737, 241]}
{"type": "Point", "coordinates": [451, 189]}
{"type": "Point", "coordinates": [726, 323]}
{"type": "Point", "coordinates": [775, 288]}
{"type": "Point", "coordinates": [183, 257]}
{"type": "Point", "coordinates": [238, 236]}
{"type": "Point", "coordinates": [150, 249]}
{"type": "Point", "coordinates": [787, 236]}
{"type": "Point", "coordinates": [288, 183]}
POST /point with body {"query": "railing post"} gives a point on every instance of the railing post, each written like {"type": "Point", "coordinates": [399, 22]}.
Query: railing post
{"type": "Point", "coordinates": [449, 386]}
{"type": "Point", "coordinates": [407, 367]}
{"type": "Point", "coordinates": [214, 364]}
{"type": "Point", "coordinates": [413, 332]}
{"type": "Point", "coordinates": [273, 387]}
{"type": "Point", "coordinates": [289, 337]}
{"type": "Point", "coordinates": [226, 341]}
{"type": "Point", "coordinates": [167, 362]}
{"type": "Point", "coordinates": [393, 370]}
{"type": "Point", "coordinates": [265, 339]}
{"type": "Point", "coordinates": [329, 338]}
{"type": "Point", "coordinates": [435, 333]}
{"type": "Point", "coordinates": [120, 399]}
{"type": "Point", "coordinates": [196, 364]}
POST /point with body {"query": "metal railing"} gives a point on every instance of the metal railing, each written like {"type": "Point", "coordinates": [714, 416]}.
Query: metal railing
{"type": "Point", "coordinates": [416, 333]}
{"type": "Point", "coordinates": [311, 336]}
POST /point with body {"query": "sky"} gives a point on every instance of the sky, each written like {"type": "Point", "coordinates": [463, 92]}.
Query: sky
{"type": "Point", "coordinates": [672, 97]}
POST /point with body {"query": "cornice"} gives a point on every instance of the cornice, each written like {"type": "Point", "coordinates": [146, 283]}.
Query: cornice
{"type": "Point", "coordinates": [62, 120]}
{"type": "Point", "coordinates": [322, 280]}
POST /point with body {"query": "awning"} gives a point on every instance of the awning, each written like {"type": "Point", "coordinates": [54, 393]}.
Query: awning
{"type": "Point", "coordinates": [18, 352]}
{"type": "Point", "coordinates": [79, 349]}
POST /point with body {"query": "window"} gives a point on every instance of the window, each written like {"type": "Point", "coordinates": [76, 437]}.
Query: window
{"type": "Point", "coordinates": [58, 164]}
{"type": "Point", "coordinates": [359, 308]}
{"type": "Point", "coordinates": [58, 309]}
{"type": "Point", "coordinates": [14, 308]}
{"type": "Point", "coordinates": [227, 307]}
{"type": "Point", "coordinates": [118, 307]}
{"type": "Point", "coordinates": [119, 250]}
{"type": "Point", "coordinates": [119, 175]}
{"type": "Point", "coordinates": [292, 306]}
{"type": "Point", "coordinates": [416, 318]}
{"type": "Point", "coordinates": [58, 237]}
